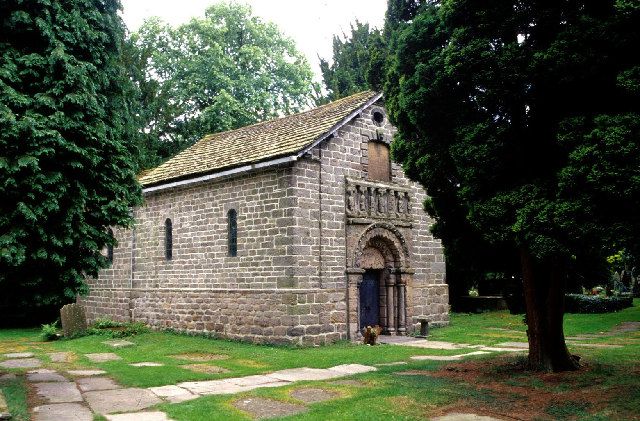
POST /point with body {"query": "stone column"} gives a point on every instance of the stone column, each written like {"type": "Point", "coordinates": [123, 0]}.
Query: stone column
{"type": "Point", "coordinates": [391, 322]}
{"type": "Point", "coordinates": [354, 277]}
{"type": "Point", "coordinates": [402, 307]}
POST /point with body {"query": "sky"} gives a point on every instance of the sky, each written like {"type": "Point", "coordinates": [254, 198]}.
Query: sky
{"type": "Point", "coordinates": [310, 23]}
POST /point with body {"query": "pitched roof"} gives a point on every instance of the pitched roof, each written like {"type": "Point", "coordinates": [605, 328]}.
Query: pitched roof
{"type": "Point", "coordinates": [259, 142]}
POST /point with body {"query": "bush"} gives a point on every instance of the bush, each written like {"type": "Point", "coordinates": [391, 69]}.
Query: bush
{"type": "Point", "coordinates": [49, 332]}
{"type": "Point", "coordinates": [579, 303]}
{"type": "Point", "coordinates": [113, 329]}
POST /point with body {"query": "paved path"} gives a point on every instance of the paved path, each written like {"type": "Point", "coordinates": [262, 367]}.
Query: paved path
{"type": "Point", "coordinates": [78, 395]}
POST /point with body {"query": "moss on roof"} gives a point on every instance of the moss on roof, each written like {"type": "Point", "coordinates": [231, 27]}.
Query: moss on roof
{"type": "Point", "coordinates": [256, 143]}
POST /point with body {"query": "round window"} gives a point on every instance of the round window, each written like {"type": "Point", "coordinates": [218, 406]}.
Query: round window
{"type": "Point", "coordinates": [378, 118]}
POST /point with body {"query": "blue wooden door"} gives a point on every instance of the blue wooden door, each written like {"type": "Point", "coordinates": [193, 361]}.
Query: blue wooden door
{"type": "Point", "coordinates": [369, 299]}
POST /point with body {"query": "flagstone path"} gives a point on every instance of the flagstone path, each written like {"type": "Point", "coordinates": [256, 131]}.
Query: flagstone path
{"type": "Point", "coordinates": [76, 395]}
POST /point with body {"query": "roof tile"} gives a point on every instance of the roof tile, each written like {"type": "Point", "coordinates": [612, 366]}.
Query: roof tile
{"type": "Point", "coordinates": [258, 142]}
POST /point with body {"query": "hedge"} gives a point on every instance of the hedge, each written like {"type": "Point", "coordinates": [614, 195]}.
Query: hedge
{"type": "Point", "coordinates": [579, 303]}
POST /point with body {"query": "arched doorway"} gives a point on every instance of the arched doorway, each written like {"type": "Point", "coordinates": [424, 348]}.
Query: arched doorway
{"type": "Point", "coordinates": [377, 281]}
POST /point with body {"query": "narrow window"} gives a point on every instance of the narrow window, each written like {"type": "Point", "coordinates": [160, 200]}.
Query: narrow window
{"type": "Point", "coordinates": [168, 239]}
{"type": "Point", "coordinates": [232, 221]}
{"type": "Point", "coordinates": [379, 161]}
{"type": "Point", "coordinates": [110, 247]}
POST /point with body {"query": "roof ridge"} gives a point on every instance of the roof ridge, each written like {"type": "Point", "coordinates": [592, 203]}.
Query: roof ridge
{"type": "Point", "coordinates": [315, 109]}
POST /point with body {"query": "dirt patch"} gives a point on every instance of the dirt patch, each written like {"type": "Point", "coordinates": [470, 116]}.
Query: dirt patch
{"type": "Point", "coordinates": [252, 363]}
{"type": "Point", "coordinates": [205, 368]}
{"type": "Point", "coordinates": [200, 357]}
{"type": "Point", "coordinates": [261, 408]}
{"type": "Point", "coordinates": [510, 392]}
{"type": "Point", "coordinates": [312, 395]}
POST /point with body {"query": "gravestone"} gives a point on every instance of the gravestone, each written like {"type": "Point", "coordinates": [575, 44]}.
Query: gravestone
{"type": "Point", "coordinates": [74, 319]}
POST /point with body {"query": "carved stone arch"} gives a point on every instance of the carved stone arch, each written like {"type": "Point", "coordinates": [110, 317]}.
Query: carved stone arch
{"type": "Point", "coordinates": [387, 240]}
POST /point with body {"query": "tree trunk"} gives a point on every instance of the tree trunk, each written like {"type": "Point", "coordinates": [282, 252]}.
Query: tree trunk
{"type": "Point", "coordinates": [544, 287]}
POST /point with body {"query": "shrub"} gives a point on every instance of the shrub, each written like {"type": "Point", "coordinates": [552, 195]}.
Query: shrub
{"type": "Point", "coordinates": [49, 332]}
{"type": "Point", "coordinates": [115, 329]}
{"type": "Point", "coordinates": [578, 303]}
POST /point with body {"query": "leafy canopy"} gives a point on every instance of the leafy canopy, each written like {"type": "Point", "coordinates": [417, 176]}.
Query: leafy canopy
{"type": "Point", "coordinates": [66, 145]}
{"type": "Point", "coordinates": [224, 71]}
{"type": "Point", "coordinates": [522, 120]}
{"type": "Point", "coordinates": [355, 65]}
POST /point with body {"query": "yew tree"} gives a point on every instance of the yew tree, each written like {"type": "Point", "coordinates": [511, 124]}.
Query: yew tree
{"type": "Point", "coordinates": [67, 146]}
{"type": "Point", "coordinates": [522, 120]}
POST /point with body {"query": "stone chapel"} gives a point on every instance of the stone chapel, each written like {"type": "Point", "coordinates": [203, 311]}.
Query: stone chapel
{"type": "Point", "coordinates": [295, 230]}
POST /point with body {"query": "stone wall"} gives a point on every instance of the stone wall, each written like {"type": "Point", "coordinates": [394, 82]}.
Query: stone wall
{"type": "Point", "coordinates": [288, 281]}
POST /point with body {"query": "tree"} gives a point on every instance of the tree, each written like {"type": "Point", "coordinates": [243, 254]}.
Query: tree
{"type": "Point", "coordinates": [224, 71]}
{"type": "Point", "coordinates": [67, 145]}
{"type": "Point", "coordinates": [355, 64]}
{"type": "Point", "coordinates": [522, 120]}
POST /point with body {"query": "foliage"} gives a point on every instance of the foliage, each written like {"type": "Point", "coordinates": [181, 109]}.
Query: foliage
{"type": "Point", "coordinates": [113, 329]}
{"type": "Point", "coordinates": [354, 66]}
{"type": "Point", "coordinates": [526, 130]}
{"type": "Point", "coordinates": [67, 145]}
{"type": "Point", "coordinates": [523, 123]}
{"type": "Point", "coordinates": [224, 71]}
{"type": "Point", "coordinates": [580, 303]}
{"type": "Point", "coordinates": [49, 332]}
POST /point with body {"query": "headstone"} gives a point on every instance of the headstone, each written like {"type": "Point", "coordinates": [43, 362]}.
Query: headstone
{"type": "Point", "coordinates": [74, 319]}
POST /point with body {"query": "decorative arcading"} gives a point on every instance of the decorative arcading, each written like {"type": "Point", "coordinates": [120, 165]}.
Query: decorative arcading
{"type": "Point", "coordinates": [377, 200]}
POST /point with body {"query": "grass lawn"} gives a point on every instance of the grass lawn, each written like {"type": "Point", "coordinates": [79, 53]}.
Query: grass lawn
{"type": "Point", "coordinates": [608, 386]}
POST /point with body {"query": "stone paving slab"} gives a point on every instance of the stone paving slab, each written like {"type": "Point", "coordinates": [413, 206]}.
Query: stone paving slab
{"type": "Point", "coordinates": [424, 343]}
{"type": "Point", "coordinates": [44, 375]}
{"type": "Point", "coordinates": [146, 364]}
{"type": "Point", "coordinates": [118, 343]}
{"type": "Point", "coordinates": [305, 374]}
{"type": "Point", "coordinates": [261, 408]}
{"type": "Point", "coordinates": [8, 376]}
{"type": "Point", "coordinates": [62, 412]}
{"type": "Point", "coordinates": [173, 394]}
{"type": "Point", "coordinates": [21, 363]}
{"type": "Point", "coordinates": [213, 387]}
{"type": "Point", "coordinates": [120, 400]}
{"type": "Point", "coordinates": [140, 416]}
{"type": "Point", "coordinates": [456, 416]}
{"type": "Point", "coordinates": [256, 380]}
{"type": "Point", "coordinates": [522, 345]}
{"type": "Point", "coordinates": [60, 357]}
{"type": "Point", "coordinates": [589, 345]}
{"type": "Point", "coordinates": [350, 369]}
{"type": "Point", "coordinates": [102, 357]}
{"type": "Point", "coordinates": [58, 392]}
{"type": "Point", "coordinates": [501, 349]}
{"type": "Point", "coordinates": [313, 395]}
{"type": "Point", "coordinates": [446, 357]}
{"type": "Point", "coordinates": [88, 384]}
{"type": "Point", "coordinates": [86, 372]}
{"type": "Point", "coordinates": [19, 355]}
